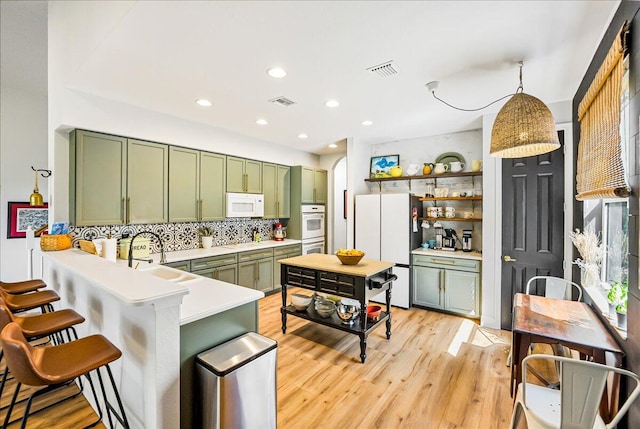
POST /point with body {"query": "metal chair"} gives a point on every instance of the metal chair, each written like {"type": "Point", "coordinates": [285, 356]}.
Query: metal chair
{"type": "Point", "coordinates": [575, 405]}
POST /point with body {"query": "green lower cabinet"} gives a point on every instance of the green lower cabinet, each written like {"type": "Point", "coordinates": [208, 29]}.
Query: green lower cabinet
{"type": "Point", "coordinates": [180, 265]}
{"type": "Point", "coordinates": [224, 273]}
{"type": "Point", "coordinates": [449, 284]}
{"type": "Point", "coordinates": [427, 289]}
{"type": "Point", "coordinates": [283, 253]}
{"type": "Point", "coordinates": [461, 294]}
{"type": "Point", "coordinates": [256, 274]}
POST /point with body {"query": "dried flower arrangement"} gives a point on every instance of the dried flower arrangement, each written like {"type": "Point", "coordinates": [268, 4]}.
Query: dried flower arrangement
{"type": "Point", "coordinates": [592, 252]}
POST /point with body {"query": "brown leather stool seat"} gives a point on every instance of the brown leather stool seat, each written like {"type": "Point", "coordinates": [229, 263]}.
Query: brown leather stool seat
{"type": "Point", "coordinates": [58, 366]}
{"type": "Point", "coordinates": [17, 288]}
{"type": "Point", "coordinates": [29, 301]}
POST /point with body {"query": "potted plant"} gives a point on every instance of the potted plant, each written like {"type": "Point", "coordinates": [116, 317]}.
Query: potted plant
{"type": "Point", "coordinates": [621, 307]}
{"type": "Point", "coordinates": [206, 236]}
{"type": "Point", "coordinates": [614, 295]}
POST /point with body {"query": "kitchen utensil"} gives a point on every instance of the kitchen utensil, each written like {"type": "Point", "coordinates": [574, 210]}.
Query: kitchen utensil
{"type": "Point", "coordinates": [425, 245]}
{"type": "Point", "coordinates": [466, 240]}
{"type": "Point", "coordinates": [278, 232]}
{"type": "Point", "coordinates": [456, 166]}
{"type": "Point", "coordinates": [428, 167]}
{"type": "Point", "coordinates": [425, 224]}
{"type": "Point", "coordinates": [448, 157]}
{"type": "Point", "coordinates": [432, 243]}
{"type": "Point", "coordinates": [373, 312]}
{"type": "Point", "coordinates": [455, 194]}
{"type": "Point", "coordinates": [476, 165]}
{"type": "Point", "coordinates": [325, 307]}
{"type": "Point", "coordinates": [347, 313]}
{"type": "Point", "coordinates": [429, 193]}
{"type": "Point", "coordinates": [413, 169]}
{"type": "Point", "coordinates": [440, 211]}
{"type": "Point", "coordinates": [450, 212]}
{"type": "Point", "coordinates": [300, 301]}
{"type": "Point", "coordinates": [439, 235]}
{"type": "Point", "coordinates": [350, 259]}
{"type": "Point", "coordinates": [441, 168]}
{"type": "Point", "coordinates": [396, 171]}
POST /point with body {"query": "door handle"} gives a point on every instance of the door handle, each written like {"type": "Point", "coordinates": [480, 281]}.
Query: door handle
{"type": "Point", "coordinates": [508, 258]}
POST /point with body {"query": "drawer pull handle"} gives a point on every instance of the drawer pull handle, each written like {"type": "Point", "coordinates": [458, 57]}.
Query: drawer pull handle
{"type": "Point", "coordinates": [439, 261]}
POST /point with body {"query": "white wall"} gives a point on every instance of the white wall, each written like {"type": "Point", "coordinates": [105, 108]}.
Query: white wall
{"type": "Point", "coordinates": [339, 222]}
{"type": "Point", "coordinates": [329, 162]}
{"type": "Point", "coordinates": [23, 128]}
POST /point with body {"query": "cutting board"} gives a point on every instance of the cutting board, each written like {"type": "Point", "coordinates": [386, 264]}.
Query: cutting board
{"type": "Point", "coordinates": [88, 247]}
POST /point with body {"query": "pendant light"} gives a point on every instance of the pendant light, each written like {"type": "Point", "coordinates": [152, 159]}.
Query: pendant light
{"type": "Point", "coordinates": [36, 200]}
{"type": "Point", "coordinates": [524, 127]}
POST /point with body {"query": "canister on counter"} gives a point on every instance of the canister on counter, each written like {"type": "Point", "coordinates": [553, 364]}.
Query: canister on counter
{"type": "Point", "coordinates": [141, 247]}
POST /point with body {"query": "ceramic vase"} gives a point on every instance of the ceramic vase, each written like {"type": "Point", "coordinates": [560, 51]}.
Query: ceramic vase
{"type": "Point", "coordinates": [590, 275]}
{"type": "Point", "coordinates": [207, 242]}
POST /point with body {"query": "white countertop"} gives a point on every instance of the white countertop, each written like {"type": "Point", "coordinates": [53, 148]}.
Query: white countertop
{"type": "Point", "coordinates": [183, 255]}
{"type": "Point", "coordinates": [201, 297]}
{"type": "Point", "coordinates": [448, 253]}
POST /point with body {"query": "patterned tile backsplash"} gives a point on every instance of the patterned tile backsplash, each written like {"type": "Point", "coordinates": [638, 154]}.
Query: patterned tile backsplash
{"type": "Point", "coordinates": [182, 236]}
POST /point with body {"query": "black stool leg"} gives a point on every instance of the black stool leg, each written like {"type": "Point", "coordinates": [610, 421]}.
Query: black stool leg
{"type": "Point", "coordinates": [122, 418]}
{"type": "Point", "coordinates": [13, 401]}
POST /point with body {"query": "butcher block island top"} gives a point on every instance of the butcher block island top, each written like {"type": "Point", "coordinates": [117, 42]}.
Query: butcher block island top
{"type": "Point", "coordinates": [320, 261]}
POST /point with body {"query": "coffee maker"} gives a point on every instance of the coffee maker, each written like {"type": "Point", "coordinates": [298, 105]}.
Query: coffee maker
{"type": "Point", "coordinates": [449, 239]}
{"type": "Point", "coordinates": [466, 240]}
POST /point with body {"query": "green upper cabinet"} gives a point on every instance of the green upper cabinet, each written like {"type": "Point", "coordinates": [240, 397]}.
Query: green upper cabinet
{"type": "Point", "coordinates": [184, 184]}
{"type": "Point", "coordinates": [196, 185]}
{"type": "Point", "coordinates": [283, 192]}
{"type": "Point", "coordinates": [276, 190]}
{"type": "Point", "coordinates": [147, 182]}
{"type": "Point", "coordinates": [97, 178]}
{"type": "Point", "coordinates": [320, 186]}
{"type": "Point", "coordinates": [310, 185]}
{"type": "Point", "coordinates": [213, 174]}
{"type": "Point", "coordinates": [244, 175]}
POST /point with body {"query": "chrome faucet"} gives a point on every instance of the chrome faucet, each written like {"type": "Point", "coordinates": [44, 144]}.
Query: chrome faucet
{"type": "Point", "coordinates": [131, 258]}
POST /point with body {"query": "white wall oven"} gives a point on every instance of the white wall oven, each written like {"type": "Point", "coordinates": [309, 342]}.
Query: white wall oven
{"type": "Point", "coordinates": [312, 246]}
{"type": "Point", "coordinates": [312, 222]}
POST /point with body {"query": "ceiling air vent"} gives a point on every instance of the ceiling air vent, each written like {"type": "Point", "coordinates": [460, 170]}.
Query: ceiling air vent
{"type": "Point", "coordinates": [385, 69]}
{"type": "Point", "coordinates": [282, 101]}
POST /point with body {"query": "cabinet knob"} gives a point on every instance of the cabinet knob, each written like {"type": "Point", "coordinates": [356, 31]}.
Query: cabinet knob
{"type": "Point", "coordinates": [508, 258]}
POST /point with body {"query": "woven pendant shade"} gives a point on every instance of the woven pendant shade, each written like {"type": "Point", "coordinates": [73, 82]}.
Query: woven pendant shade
{"type": "Point", "coordinates": [524, 127]}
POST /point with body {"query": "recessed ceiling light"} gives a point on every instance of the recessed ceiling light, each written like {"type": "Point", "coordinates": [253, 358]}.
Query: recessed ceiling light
{"type": "Point", "coordinates": [276, 72]}
{"type": "Point", "coordinates": [367, 123]}
{"type": "Point", "coordinates": [261, 122]}
{"type": "Point", "coordinates": [203, 102]}
{"type": "Point", "coordinates": [333, 145]}
{"type": "Point", "coordinates": [331, 103]}
{"type": "Point", "coordinates": [302, 136]}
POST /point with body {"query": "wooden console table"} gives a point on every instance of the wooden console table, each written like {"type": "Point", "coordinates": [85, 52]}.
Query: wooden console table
{"type": "Point", "coordinates": [574, 324]}
{"type": "Point", "coordinates": [325, 273]}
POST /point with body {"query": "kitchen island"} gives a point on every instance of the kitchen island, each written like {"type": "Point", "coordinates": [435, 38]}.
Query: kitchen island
{"type": "Point", "coordinates": [326, 274]}
{"type": "Point", "coordinates": [158, 324]}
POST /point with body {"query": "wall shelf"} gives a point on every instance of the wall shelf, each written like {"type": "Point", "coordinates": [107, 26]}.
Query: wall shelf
{"type": "Point", "coordinates": [451, 219]}
{"type": "Point", "coordinates": [379, 180]}
{"type": "Point", "coordinates": [478, 198]}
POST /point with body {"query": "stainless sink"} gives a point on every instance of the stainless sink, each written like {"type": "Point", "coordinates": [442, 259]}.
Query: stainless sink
{"type": "Point", "coordinates": [169, 274]}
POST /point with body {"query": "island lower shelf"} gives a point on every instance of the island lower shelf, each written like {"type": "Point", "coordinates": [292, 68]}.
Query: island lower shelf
{"type": "Point", "coordinates": [334, 321]}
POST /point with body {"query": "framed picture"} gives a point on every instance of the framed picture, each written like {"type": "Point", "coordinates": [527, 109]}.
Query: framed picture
{"type": "Point", "coordinates": [382, 164]}
{"type": "Point", "coordinates": [22, 215]}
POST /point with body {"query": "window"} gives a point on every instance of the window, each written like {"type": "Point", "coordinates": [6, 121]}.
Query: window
{"type": "Point", "coordinates": [615, 235]}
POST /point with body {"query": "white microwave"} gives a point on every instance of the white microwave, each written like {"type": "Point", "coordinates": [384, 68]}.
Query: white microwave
{"type": "Point", "coordinates": [245, 205]}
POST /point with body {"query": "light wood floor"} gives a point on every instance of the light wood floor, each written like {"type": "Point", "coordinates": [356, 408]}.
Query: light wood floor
{"type": "Point", "coordinates": [437, 371]}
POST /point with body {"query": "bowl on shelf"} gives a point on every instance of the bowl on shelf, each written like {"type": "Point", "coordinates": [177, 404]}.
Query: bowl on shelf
{"type": "Point", "coordinates": [352, 259]}
{"type": "Point", "coordinates": [347, 313]}
{"type": "Point", "coordinates": [300, 301]}
{"type": "Point", "coordinates": [325, 307]}
{"type": "Point", "coordinates": [373, 312]}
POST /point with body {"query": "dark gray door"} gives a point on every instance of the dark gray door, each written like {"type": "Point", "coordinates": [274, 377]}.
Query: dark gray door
{"type": "Point", "coordinates": [532, 222]}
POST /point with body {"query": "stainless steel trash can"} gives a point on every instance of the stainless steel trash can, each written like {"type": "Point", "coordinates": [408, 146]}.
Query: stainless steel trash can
{"type": "Point", "coordinates": [238, 383]}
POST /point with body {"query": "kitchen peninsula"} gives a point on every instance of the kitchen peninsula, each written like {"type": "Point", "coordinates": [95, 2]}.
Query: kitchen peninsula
{"type": "Point", "coordinates": [158, 324]}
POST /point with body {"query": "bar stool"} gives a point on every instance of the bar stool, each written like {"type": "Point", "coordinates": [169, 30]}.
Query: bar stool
{"type": "Point", "coordinates": [17, 288]}
{"type": "Point", "coordinates": [51, 324]}
{"type": "Point", "coordinates": [29, 301]}
{"type": "Point", "coordinates": [57, 366]}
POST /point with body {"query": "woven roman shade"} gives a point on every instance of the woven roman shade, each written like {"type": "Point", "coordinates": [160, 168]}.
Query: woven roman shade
{"type": "Point", "coordinates": [600, 167]}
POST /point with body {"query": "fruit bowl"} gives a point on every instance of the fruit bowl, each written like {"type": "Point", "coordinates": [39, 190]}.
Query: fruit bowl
{"type": "Point", "coordinates": [350, 258]}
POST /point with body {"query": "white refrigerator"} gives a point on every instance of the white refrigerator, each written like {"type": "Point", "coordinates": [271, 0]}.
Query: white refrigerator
{"type": "Point", "coordinates": [387, 229]}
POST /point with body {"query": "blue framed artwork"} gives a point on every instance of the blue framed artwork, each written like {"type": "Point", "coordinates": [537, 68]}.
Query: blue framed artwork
{"type": "Point", "coordinates": [380, 165]}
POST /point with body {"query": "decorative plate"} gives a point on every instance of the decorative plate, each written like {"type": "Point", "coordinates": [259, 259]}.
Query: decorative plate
{"type": "Point", "coordinates": [449, 157]}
